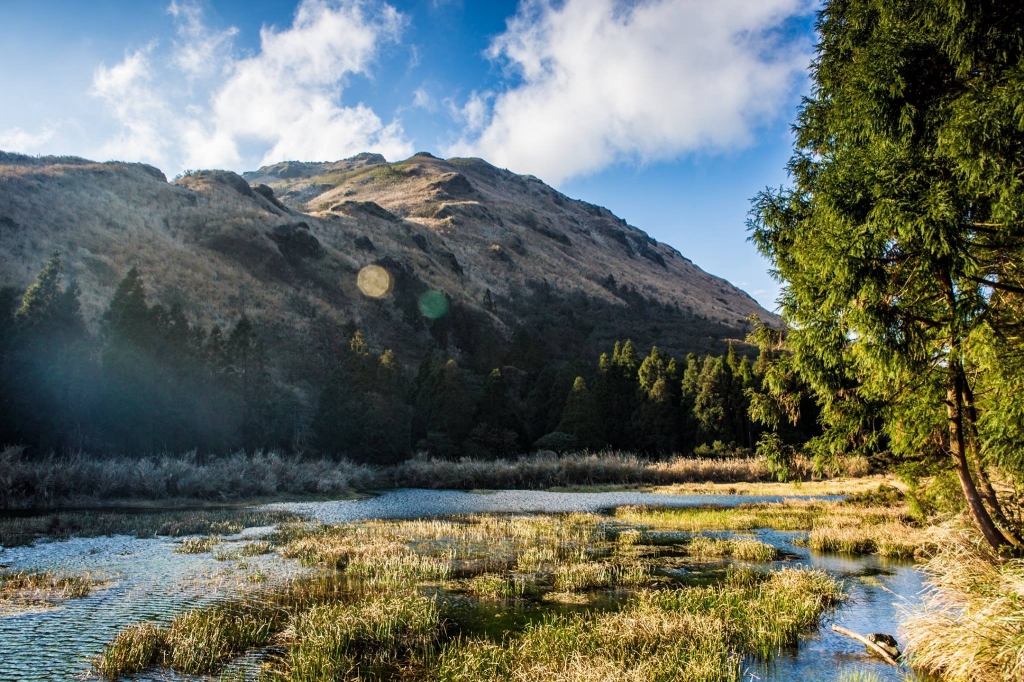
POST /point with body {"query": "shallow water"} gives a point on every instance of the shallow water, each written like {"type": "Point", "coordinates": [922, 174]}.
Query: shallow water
{"type": "Point", "coordinates": [415, 503]}
{"type": "Point", "coordinates": [147, 581]}
{"type": "Point", "coordinates": [876, 587]}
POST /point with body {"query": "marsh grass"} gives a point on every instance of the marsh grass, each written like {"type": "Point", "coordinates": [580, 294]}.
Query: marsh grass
{"type": "Point", "coordinates": [27, 589]}
{"type": "Point", "coordinates": [848, 528]}
{"type": "Point", "coordinates": [198, 545]}
{"type": "Point", "coordinates": [50, 482]}
{"type": "Point", "coordinates": [969, 626]}
{"type": "Point", "coordinates": [245, 551]}
{"type": "Point", "coordinates": [705, 547]}
{"type": "Point", "coordinates": [688, 634]}
{"type": "Point", "coordinates": [395, 600]}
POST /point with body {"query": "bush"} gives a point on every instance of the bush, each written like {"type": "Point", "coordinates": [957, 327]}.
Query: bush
{"type": "Point", "coordinates": [556, 441]}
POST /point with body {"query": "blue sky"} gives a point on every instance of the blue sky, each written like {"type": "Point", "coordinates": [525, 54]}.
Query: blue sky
{"type": "Point", "coordinates": [672, 113]}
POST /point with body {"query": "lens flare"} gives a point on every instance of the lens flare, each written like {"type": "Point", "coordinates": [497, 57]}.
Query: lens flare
{"type": "Point", "coordinates": [375, 282]}
{"type": "Point", "coordinates": [433, 304]}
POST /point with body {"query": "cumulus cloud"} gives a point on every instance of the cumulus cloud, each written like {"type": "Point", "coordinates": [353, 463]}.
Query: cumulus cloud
{"type": "Point", "coordinates": [20, 140]}
{"type": "Point", "coordinates": [596, 82]}
{"type": "Point", "coordinates": [201, 104]}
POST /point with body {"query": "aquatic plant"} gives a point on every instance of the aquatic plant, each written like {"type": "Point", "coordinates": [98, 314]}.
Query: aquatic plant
{"type": "Point", "coordinates": [853, 528]}
{"type": "Point", "coordinates": [19, 589]}
{"type": "Point", "coordinates": [197, 545]}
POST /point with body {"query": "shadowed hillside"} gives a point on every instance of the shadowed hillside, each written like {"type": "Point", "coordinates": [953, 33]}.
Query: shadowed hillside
{"type": "Point", "coordinates": [292, 307]}
{"type": "Point", "coordinates": [286, 246]}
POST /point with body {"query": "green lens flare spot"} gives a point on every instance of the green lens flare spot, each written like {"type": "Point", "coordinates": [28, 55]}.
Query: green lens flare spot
{"type": "Point", "coordinates": [433, 304]}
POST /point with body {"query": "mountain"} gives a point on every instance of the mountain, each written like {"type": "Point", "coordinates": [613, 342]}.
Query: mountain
{"type": "Point", "coordinates": [519, 264]}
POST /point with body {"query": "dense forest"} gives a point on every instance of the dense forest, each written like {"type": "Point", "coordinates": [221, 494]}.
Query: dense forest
{"type": "Point", "coordinates": [150, 380]}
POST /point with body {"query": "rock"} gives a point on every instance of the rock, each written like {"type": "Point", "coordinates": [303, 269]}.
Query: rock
{"type": "Point", "coordinates": [363, 242]}
{"type": "Point", "coordinates": [295, 241]}
{"type": "Point", "coordinates": [268, 194]}
{"type": "Point", "coordinates": [370, 208]}
{"type": "Point", "coordinates": [887, 642]}
{"type": "Point", "coordinates": [452, 186]}
{"type": "Point", "coordinates": [420, 241]}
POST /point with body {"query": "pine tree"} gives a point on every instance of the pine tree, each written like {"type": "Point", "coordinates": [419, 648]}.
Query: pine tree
{"type": "Point", "coordinates": [710, 405]}
{"type": "Point", "coordinates": [651, 370]}
{"type": "Point", "coordinates": [581, 418]}
{"type": "Point", "coordinates": [44, 367]}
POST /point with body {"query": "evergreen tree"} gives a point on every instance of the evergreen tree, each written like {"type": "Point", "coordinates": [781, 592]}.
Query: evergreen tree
{"type": "Point", "coordinates": [711, 402]}
{"type": "Point", "coordinates": [656, 420]}
{"type": "Point", "coordinates": [498, 429]}
{"type": "Point", "coordinates": [581, 418]}
{"type": "Point", "coordinates": [44, 367]}
{"type": "Point", "coordinates": [899, 244]}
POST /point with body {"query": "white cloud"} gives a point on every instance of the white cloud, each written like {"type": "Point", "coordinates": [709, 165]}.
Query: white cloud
{"type": "Point", "coordinates": [128, 91]}
{"type": "Point", "coordinates": [19, 140]}
{"type": "Point", "coordinates": [474, 112]}
{"type": "Point", "coordinates": [422, 99]}
{"type": "Point", "coordinates": [199, 51]}
{"type": "Point", "coordinates": [202, 105]}
{"type": "Point", "coordinates": [601, 81]}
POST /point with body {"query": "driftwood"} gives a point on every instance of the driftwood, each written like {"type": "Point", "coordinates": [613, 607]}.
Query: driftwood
{"type": "Point", "coordinates": [882, 653]}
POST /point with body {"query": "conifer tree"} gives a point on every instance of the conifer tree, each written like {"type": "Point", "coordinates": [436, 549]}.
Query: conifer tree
{"type": "Point", "coordinates": [899, 243]}
{"type": "Point", "coordinates": [710, 404]}
{"type": "Point", "coordinates": [581, 418]}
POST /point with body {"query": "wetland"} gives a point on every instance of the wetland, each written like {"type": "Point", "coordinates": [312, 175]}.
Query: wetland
{"type": "Point", "coordinates": [504, 585]}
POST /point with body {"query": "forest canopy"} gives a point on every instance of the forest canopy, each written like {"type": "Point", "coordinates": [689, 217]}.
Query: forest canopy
{"type": "Point", "coordinates": [150, 380]}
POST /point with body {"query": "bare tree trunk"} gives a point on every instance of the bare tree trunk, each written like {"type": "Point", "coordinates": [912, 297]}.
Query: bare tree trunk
{"type": "Point", "coordinates": [955, 414]}
{"type": "Point", "coordinates": [988, 493]}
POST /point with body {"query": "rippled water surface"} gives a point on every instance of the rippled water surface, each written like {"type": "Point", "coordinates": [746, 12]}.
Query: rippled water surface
{"type": "Point", "coordinates": [146, 580]}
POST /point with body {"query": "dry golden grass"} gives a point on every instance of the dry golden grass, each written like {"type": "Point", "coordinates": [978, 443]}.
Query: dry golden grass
{"type": "Point", "coordinates": [381, 593]}
{"type": "Point", "coordinates": [832, 526]}
{"type": "Point", "coordinates": [832, 486]}
{"type": "Point", "coordinates": [969, 626]}
{"type": "Point", "coordinates": [32, 589]}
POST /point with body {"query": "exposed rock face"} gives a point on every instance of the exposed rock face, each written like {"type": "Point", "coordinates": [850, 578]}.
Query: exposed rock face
{"type": "Point", "coordinates": [284, 244]}
{"type": "Point", "coordinates": [295, 241]}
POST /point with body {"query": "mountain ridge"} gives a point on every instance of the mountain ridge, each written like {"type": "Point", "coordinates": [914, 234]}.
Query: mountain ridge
{"type": "Point", "coordinates": [284, 244]}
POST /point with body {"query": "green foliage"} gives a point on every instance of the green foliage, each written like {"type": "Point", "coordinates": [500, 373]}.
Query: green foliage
{"type": "Point", "coordinates": [152, 380]}
{"type": "Point", "coordinates": [899, 244]}
{"type": "Point", "coordinates": [580, 418]}
{"type": "Point", "coordinates": [556, 441]}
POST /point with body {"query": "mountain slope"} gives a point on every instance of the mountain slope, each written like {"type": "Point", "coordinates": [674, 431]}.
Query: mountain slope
{"type": "Point", "coordinates": [285, 244]}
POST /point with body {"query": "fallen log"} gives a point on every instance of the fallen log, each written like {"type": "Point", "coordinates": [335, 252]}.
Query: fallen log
{"type": "Point", "coordinates": [882, 653]}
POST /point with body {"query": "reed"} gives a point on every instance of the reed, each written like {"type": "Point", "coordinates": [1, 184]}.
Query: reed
{"type": "Point", "coordinates": [849, 528]}
{"type": "Point", "coordinates": [382, 595]}
{"type": "Point", "coordinates": [969, 625]}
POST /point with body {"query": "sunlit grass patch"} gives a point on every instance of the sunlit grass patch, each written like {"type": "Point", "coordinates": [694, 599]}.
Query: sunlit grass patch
{"type": "Point", "coordinates": [134, 649]}
{"type": "Point", "coordinates": [833, 526]}
{"type": "Point", "coordinates": [969, 627]}
{"type": "Point", "coordinates": [705, 547]}
{"type": "Point", "coordinates": [491, 597]}
{"type": "Point", "coordinates": [337, 641]}
{"type": "Point", "coordinates": [688, 634]}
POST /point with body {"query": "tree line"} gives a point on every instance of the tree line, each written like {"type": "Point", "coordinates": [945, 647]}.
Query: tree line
{"type": "Point", "coordinates": [150, 380]}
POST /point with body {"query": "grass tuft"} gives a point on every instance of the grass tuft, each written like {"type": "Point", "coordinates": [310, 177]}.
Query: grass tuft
{"type": "Point", "coordinates": [969, 627]}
